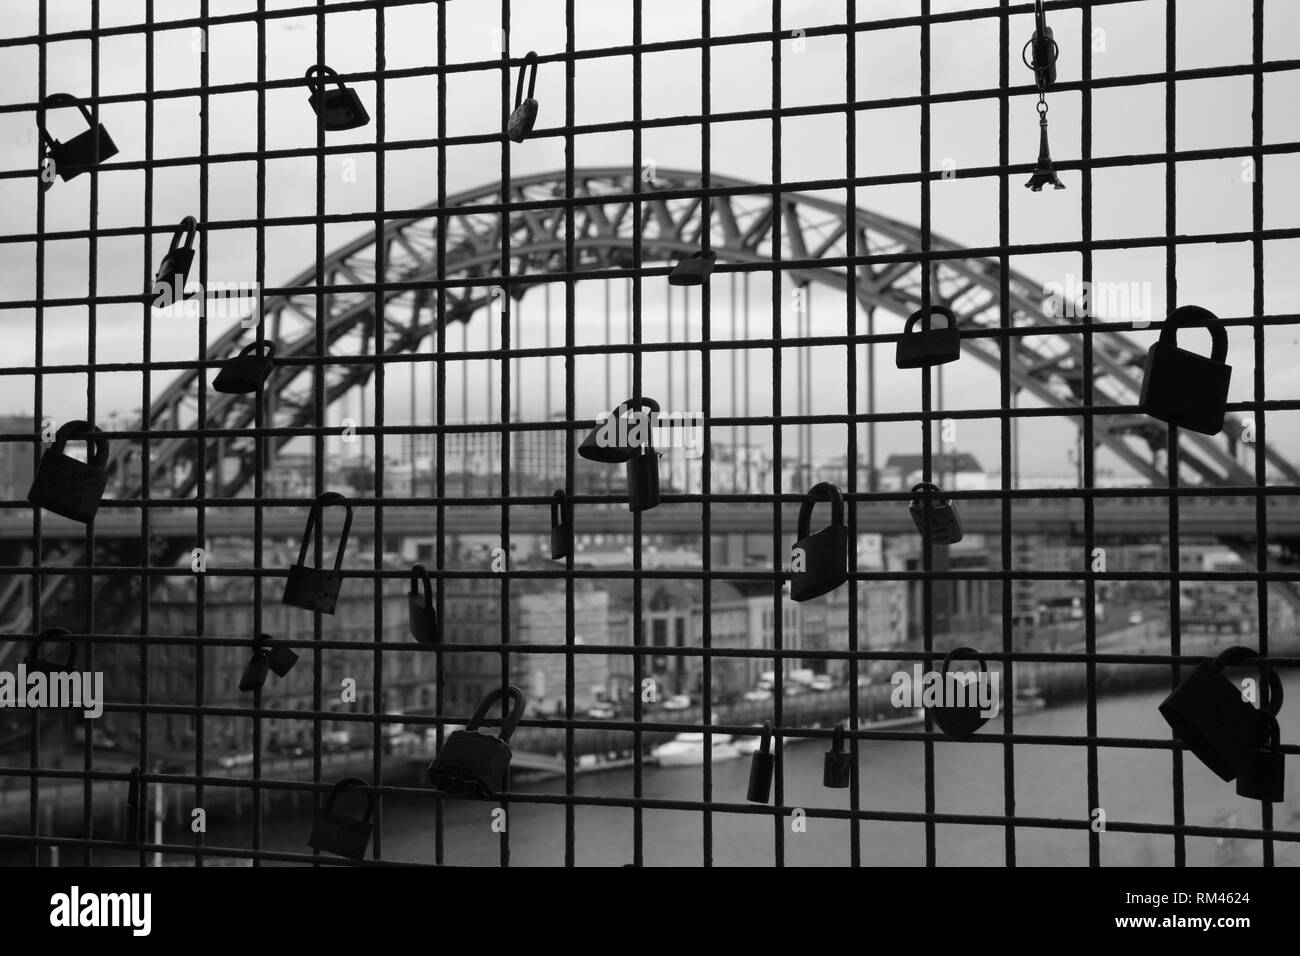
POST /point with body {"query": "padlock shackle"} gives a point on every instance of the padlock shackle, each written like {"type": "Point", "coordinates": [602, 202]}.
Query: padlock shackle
{"type": "Point", "coordinates": [258, 346]}
{"type": "Point", "coordinates": [825, 491]}
{"type": "Point", "coordinates": [837, 739]}
{"type": "Point", "coordinates": [420, 573]}
{"type": "Point", "coordinates": [509, 721]}
{"type": "Point", "coordinates": [54, 634]}
{"type": "Point", "coordinates": [561, 508]}
{"type": "Point", "coordinates": [78, 430]}
{"type": "Point", "coordinates": [927, 315]}
{"type": "Point", "coordinates": [186, 228]}
{"type": "Point", "coordinates": [1270, 731]}
{"type": "Point", "coordinates": [1239, 656]}
{"type": "Point", "coordinates": [639, 404]}
{"type": "Point", "coordinates": [318, 86]}
{"type": "Point", "coordinates": [344, 784]}
{"type": "Point", "coordinates": [315, 522]}
{"type": "Point", "coordinates": [58, 101]}
{"type": "Point", "coordinates": [964, 654]}
{"type": "Point", "coordinates": [1191, 316]}
{"type": "Point", "coordinates": [529, 60]}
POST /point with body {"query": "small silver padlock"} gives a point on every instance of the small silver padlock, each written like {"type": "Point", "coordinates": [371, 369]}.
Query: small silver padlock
{"type": "Point", "coordinates": [934, 517]}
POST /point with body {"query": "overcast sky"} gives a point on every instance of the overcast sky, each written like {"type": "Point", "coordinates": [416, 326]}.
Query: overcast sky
{"type": "Point", "coordinates": [1212, 196]}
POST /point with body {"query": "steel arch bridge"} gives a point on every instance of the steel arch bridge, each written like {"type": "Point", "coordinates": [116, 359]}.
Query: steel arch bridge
{"type": "Point", "coordinates": [741, 228]}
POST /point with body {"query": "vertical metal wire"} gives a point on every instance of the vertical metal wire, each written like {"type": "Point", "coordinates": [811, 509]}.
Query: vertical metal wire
{"type": "Point", "coordinates": [1261, 419]}
{"type": "Point", "coordinates": [1171, 297]}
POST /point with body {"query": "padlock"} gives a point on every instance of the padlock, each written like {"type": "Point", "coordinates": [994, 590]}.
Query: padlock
{"type": "Point", "coordinates": [472, 764]}
{"type": "Point", "coordinates": [337, 833]}
{"type": "Point", "coordinates": [929, 346]}
{"type": "Point", "coordinates": [837, 770]}
{"type": "Point", "coordinates": [316, 589]}
{"type": "Point", "coordinates": [133, 825]}
{"type": "Point", "coordinates": [613, 449]}
{"type": "Point", "coordinates": [823, 554]}
{"type": "Point", "coordinates": [244, 373]}
{"type": "Point", "coordinates": [695, 269]}
{"type": "Point", "coordinates": [1040, 53]}
{"type": "Point", "coordinates": [338, 109]}
{"type": "Point", "coordinates": [85, 150]}
{"type": "Point", "coordinates": [937, 519]}
{"type": "Point", "coordinates": [524, 115]}
{"type": "Point", "coordinates": [1208, 714]}
{"type": "Point", "coordinates": [1181, 387]}
{"type": "Point", "coordinates": [561, 526]}
{"type": "Point", "coordinates": [760, 768]}
{"type": "Point", "coordinates": [422, 616]}
{"type": "Point", "coordinates": [35, 662]}
{"type": "Point", "coordinates": [282, 658]}
{"type": "Point", "coordinates": [1264, 776]}
{"type": "Point", "coordinates": [69, 487]}
{"type": "Point", "coordinates": [643, 471]}
{"type": "Point", "coordinates": [960, 721]}
{"type": "Point", "coordinates": [174, 271]}
{"type": "Point", "coordinates": [255, 671]}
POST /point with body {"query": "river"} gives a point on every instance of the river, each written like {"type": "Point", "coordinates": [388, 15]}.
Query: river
{"type": "Point", "coordinates": [1050, 781]}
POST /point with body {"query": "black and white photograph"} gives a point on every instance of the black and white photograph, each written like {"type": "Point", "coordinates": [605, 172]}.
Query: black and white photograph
{"type": "Point", "coordinates": [761, 434]}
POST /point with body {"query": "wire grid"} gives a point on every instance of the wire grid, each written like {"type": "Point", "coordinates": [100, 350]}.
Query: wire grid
{"type": "Point", "coordinates": [507, 66]}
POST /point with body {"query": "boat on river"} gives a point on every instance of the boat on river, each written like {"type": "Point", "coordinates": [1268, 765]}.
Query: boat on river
{"type": "Point", "coordinates": [687, 750]}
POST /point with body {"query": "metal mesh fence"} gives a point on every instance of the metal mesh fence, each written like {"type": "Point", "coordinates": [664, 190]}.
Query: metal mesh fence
{"type": "Point", "coordinates": [435, 365]}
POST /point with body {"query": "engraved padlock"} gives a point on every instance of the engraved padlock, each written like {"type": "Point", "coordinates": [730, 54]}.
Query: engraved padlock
{"type": "Point", "coordinates": [317, 589]}
{"type": "Point", "coordinates": [837, 769]}
{"type": "Point", "coordinates": [959, 718]}
{"type": "Point", "coordinates": [643, 466]}
{"type": "Point", "coordinates": [695, 269]}
{"type": "Point", "coordinates": [338, 833]}
{"type": "Point", "coordinates": [1264, 776]}
{"type": "Point", "coordinates": [760, 768]}
{"type": "Point", "coordinates": [1181, 387]}
{"type": "Point", "coordinates": [35, 661]}
{"type": "Point", "coordinates": [818, 561]}
{"type": "Point", "coordinates": [69, 487]}
{"type": "Point", "coordinates": [561, 526]}
{"type": "Point", "coordinates": [174, 272]}
{"type": "Point", "coordinates": [246, 372]}
{"type": "Point", "coordinates": [934, 516]}
{"type": "Point", "coordinates": [1208, 713]}
{"type": "Point", "coordinates": [84, 151]}
{"type": "Point", "coordinates": [422, 616]}
{"type": "Point", "coordinates": [524, 115]}
{"type": "Point", "coordinates": [610, 439]}
{"type": "Point", "coordinates": [929, 346]}
{"type": "Point", "coordinates": [339, 108]}
{"type": "Point", "coordinates": [472, 764]}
